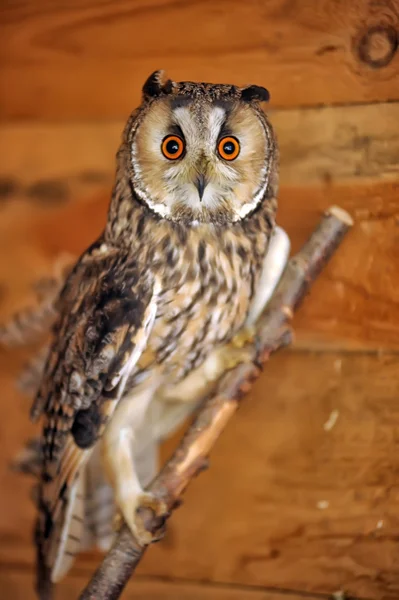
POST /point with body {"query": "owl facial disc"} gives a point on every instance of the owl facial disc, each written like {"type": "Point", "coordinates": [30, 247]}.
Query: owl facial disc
{"type": "Point", "coordinates": [201, 153]}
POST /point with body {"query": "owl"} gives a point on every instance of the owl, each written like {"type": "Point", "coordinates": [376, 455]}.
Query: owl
{"type": "Point", "coordinates": [188, 257]}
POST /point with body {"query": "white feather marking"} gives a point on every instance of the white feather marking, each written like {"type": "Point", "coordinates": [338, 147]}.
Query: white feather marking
{"type": "Point", "coordinates": [217, 117]}
{"type": "Point", "coordinates": [188, 124]}
{"type": "Point", "coordinates": [273, 266]}
{"type": "Point", "coordinates": [163, 210]}
{"type": "Point", "coordinates": [71, 532]}
{"type": "Point", "coordinates": [248, 207]}
{"type": "Point", "coordinates": [100, 505]}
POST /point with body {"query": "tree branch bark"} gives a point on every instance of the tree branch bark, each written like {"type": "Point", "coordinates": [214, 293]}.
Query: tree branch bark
{"type": "Point", "coordinates": [273, 332]}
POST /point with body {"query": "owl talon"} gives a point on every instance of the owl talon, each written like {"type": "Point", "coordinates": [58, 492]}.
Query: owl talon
{"type": "Point", "coordinates": [149, 519]}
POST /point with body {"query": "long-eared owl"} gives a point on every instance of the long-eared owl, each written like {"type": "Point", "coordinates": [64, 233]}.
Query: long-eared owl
{"type": "Point", "coordinates": [170, 280]}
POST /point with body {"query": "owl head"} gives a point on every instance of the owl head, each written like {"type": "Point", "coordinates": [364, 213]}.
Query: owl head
{"type": "Point", "coordinates": [201, 153]}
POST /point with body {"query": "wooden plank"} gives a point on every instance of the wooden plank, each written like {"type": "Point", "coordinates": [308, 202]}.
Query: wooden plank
{"type": "Point", "coordinates": [353, 306]}
{"type": "Point", "coordinates": [54, 196]}
{"type": "Point", "coordinates": [18, 585]}
{"type": "Point", "coordinates": [301, 493]}
{"type": "Point", "coordinates": [89, 59]}
{"type": "Point", "coordinates": [318, 146]}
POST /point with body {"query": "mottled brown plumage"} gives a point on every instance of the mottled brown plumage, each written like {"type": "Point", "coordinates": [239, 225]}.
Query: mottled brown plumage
{"type": "Point", "coordinates": [171, 277]}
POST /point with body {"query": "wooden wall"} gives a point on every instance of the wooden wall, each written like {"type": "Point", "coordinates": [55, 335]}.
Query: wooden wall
{"type": "Point", "coordinates": [290, 508]}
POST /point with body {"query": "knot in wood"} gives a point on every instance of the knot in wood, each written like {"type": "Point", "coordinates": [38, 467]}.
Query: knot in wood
{"type": "Point", "coordinates": [8, 187]}
{"type": "Point", "coordinates": [378, 46]}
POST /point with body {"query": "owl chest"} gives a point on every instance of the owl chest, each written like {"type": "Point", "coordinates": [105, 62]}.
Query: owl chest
{"type": "Point", "coordinates": [204, 308]}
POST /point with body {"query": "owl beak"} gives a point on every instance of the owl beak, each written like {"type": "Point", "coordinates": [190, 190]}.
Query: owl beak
{"type": "Point", "coordinates": [201, 184]}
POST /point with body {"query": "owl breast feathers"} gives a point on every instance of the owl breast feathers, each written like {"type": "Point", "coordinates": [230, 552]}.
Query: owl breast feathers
{"type": "Point", "coordinates": [170, 279]}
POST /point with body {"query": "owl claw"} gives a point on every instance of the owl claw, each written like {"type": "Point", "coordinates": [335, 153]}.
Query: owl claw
{"type": "Point", "coordinates": [149, 519]}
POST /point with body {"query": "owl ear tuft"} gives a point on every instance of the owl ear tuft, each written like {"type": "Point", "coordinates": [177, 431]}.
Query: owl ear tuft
{"type": "Point", "coordinates": [255, 92]}
{"type": "Point", "coordinates": [156, 85]}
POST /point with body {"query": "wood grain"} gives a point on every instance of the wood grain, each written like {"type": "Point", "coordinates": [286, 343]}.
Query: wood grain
{"type": "Point", "coordinates": [89, 59]}
{"type": "Point", "coordinates": [343, 155]}
{"type": "Point", "coordinates": [287, 503]}
{"type": "Point", "coordinates": [17, 585]}
{"type": "Point", "coordinates": [317, 146]}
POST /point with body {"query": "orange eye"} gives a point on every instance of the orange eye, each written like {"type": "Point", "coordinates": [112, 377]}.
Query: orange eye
{"type": "Point", "coordinates": [229, 148]}
{"type": "Point", "coordinates": [172, 147]}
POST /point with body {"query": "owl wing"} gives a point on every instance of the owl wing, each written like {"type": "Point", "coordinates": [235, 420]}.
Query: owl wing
{"type": "Point", "coordinates": [107, 313]}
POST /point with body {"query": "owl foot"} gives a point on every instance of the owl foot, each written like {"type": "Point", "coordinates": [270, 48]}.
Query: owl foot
{"type": "Point", "coordinates": [232, 357]}
{"type": "Point", "coordinates": [149, 519]}
{"type": "Point", "coordinates": [245, 336]}
{"type": "Point", "coordinates": [237, 351]}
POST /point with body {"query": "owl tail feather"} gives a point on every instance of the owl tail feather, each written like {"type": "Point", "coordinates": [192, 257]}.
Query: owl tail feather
{"type": "Point", "coordinates": [87, 519]}
{"type": "Point", "coordinates": [71, 527]}
{"type": "Point", "coordinates": [44, 585]}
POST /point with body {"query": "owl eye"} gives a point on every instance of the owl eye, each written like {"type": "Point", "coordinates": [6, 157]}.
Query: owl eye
{"type": "Point", "coordinates": [172, 147]}
{"type": "Point", "coordinates": [229, 148]}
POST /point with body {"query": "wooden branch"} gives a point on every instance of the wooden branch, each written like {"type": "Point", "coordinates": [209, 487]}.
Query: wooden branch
{"type": "Point", "coordinates": [273, 332]}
